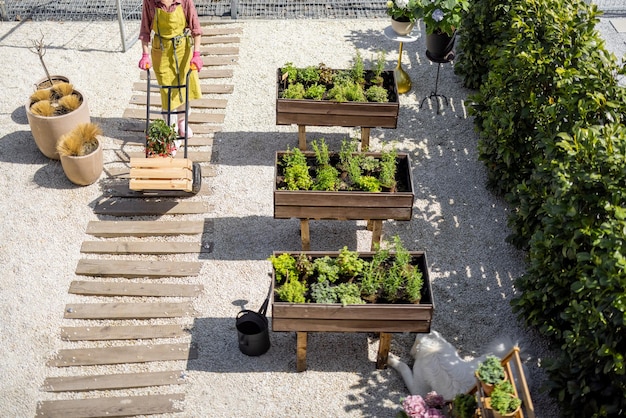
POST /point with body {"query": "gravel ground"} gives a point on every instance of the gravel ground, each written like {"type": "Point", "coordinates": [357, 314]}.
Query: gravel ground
{"type": "Point", "coordinates": [460, 225]}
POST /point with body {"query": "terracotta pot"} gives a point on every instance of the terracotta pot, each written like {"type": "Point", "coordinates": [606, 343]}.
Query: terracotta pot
{"type": "Point", "coordinates": [402, 28]}
{"type": "Point", "coordinates": [439, 46]}
{"type": "Point", "coordinates": [85, 169]}
{"type": "Point", "coordinates": [497, 414]}
{"type": "Point", "coordinates": [48, 130]}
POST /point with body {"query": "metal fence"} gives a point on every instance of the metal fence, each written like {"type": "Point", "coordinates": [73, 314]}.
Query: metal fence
{"type": "Point", "coordinates": [68, 10]}
{"type": "Point", "coordinates": [128, 12]}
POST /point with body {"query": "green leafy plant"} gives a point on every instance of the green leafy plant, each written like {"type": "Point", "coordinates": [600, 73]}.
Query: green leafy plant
{"type": "Point", "coordinates": [379, 67]}
{"type": "Point", "coordinates": [347, 170]}
{"type": "Point", "coordinates": [358, 68]}
{"type": "Point", "coordinates": [308, 75]}
{"type": "Point", "coordinates": [442, 15]}
{"type": "Point", "coordinates": [490, 370]}
{"type": "Point", "coordinates": [294, 91]}
{"type": "Point", "coordinates": [503, 398]}
{"type": "Point", "coordinates": [377, 94]}
{"type": "Point", "coordinates": [347, 278]}
{"type": "Point", "coordinates": [160, 139]}
{"type": "Point", "coordinates": [403, 10]}
{"type": "Point", "coordinates": [464, 406]}
{"type": "Point", "coordinates": [297, 175]}
{"type": "Point", "coordinates": [315, 92]}
{"type": "Point", "coordinates": [291, 71]}
{"type": "Point", "coordinates": [326, 269]}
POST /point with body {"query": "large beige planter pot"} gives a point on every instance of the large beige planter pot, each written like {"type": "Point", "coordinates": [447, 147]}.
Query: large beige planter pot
{"type": "Point", "coordinates": [48, 130]}
{"type": "Point", "coordinates": [85, 169]}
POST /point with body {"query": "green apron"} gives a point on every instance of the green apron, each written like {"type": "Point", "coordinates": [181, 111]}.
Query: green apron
{"type": "Point", "coordinates": [171, 55]}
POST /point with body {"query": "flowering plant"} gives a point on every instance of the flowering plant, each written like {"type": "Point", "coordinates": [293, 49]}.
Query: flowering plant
{"type": "Point", "coordinates": [430, 406]}
{"type": "Point", "coordinates": [403, 10]}
{"type": "Point", "coordinates": [442, 15]}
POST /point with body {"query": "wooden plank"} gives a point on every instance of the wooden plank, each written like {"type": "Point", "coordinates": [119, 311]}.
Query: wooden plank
{"type": "Point", "coordinates": [219, 50]}
{"type": "Point", "coordinates": [80, 287]}
{"type": "Point", "coordinates": [137, 268]}
{"type": "Point", "coordinates": [122, 332]}
{"type": "Point", "coordinates": [110, 229]}
{"type": "Point", "coordinates": [354, 325]}
{"type": "Point", "coordinates": [342, 213]}
{"type": "Point", "coordinates": [112, 407]}
{"type": "Point", "coordinates": [161, 163]}
{"type": "Point", "coordinates": [384, 345]}
{"type": "Point", "coordinates": [204, 88]}
{"type": "Point", "coordinates": [210, 29]}
{"type": "Point", "coordinates": [301, 340]}
{"type": "Point", "coordinates": [123, 354]}
{"type": "Point", "coordinates": [155, 100]}
{"type": "Point", "coordinates": [139, 310]}
{"type": "Point", "coordinates": [166, 184]}
{"type": "Point", "coordinates": [120, 207]}
{"type": "Point", "coordinates": [136, 247]}
{"type": "Point", "coordinates": [113, 381]}
{"type": "Point", "coordinates": [205, 73]}
{"type": "Point", "coordinates": [161, 173]}
{"type": "Point", "coordinates": [194, 117]}
{"type": "Point", "coordinates": [220, 40]}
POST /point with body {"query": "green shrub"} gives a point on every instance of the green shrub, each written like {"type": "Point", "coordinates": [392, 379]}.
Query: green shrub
{"type": "Point", "coordinates": [574, 289]}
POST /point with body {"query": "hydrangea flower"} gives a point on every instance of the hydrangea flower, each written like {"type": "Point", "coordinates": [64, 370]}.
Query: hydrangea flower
{"type": "Point", "coordinates": [417, 407]}
{"type": "Point", "coordinates": [438, 15]}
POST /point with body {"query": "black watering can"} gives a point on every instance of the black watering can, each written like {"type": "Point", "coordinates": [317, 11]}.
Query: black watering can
{"type": "Point", "coordinates": [252, 329]}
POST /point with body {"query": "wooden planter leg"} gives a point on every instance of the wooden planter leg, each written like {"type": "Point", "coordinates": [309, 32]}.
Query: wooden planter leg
{"type": "Point", "coordinates": [302, 137]}
{"type": "Point", "coordinates": [301, 351]}
{"type": "Point", "coordinates": [377, 232]}
{"type": "Point", "coordinates": [365, 139]}
{"type": "Point", "coordinates": [304, 235]}
{"type": "Point", "coordinates": [384, 344]}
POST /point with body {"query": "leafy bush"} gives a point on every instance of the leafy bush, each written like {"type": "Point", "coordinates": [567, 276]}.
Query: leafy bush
{"type": "Point", "coordinates": [575, 288]}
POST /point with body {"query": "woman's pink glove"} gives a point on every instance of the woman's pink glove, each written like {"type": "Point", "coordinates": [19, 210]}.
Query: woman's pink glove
{"type": "Point", "coordinates": [145, 62]}
{"type": "Point", "coordinates": [196, 61]}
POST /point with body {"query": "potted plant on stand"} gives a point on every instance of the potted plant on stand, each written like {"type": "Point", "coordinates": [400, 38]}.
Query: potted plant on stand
{"type": "Point", "coordinates": [490, 372]}
{"type": "Point", "coordinates": [503, 401]}
{"type": "Point", "coordinates": [81, 154]}
{"type": "Point", "coordinates": [403, 15]}
{"type": "Point", "coordinates": [442, 19]}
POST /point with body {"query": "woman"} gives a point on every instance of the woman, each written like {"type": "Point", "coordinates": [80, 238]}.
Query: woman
{"type": "Point", "coordinates": [175, 24]}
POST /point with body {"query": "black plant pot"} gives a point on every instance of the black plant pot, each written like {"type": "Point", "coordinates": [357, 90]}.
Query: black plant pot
{"type": "Point", "coordinates": [439, 46]}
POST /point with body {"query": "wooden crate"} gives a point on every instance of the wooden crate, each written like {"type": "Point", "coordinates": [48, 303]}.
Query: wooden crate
{"type": "Point", "coordinates": [343, 205]}
{"type": "Point", "coordinates": [328, 113]}
{"type": "Point", "coordinates": [335, 317]}
{"type": "Point", "coordinates": [161, 174]}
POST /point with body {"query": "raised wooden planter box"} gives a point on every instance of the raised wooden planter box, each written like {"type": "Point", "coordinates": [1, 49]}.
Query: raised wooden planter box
{"type": "Point", "coordinates": [342, 205]}
{"type": "Point", "coordinates": [383, 318]}
{"type": "Point", "coordinates": [327, 113]}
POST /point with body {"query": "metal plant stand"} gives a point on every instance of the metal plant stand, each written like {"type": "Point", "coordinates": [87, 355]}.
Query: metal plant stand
{"type": "Point", "coordinates": [402, 78]}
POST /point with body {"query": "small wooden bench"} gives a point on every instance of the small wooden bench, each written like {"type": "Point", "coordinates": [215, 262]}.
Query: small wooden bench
{"type": "Point", "coordinates": [161, 174]}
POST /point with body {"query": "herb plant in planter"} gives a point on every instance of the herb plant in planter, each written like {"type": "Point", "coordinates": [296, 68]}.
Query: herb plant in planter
{"type": "Point", "coordinates": [464, 406]}
{"type": "Point", "coordinates": [80, 152]}
{"type": "Point", "coordinates": [490, 372]}
{"type": "Point", "coordinates": [347, 291]}
{"type": "Point", "coordinates": [342, 185]}
{"type": "Point", "coordinates": [503, 401]}
{"type": "Point", "coordinates": [321, 96]}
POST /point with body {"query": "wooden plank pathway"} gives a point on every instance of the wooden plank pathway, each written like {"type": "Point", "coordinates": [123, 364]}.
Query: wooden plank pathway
{"type": "Point", "coordinates": [110, 271]}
